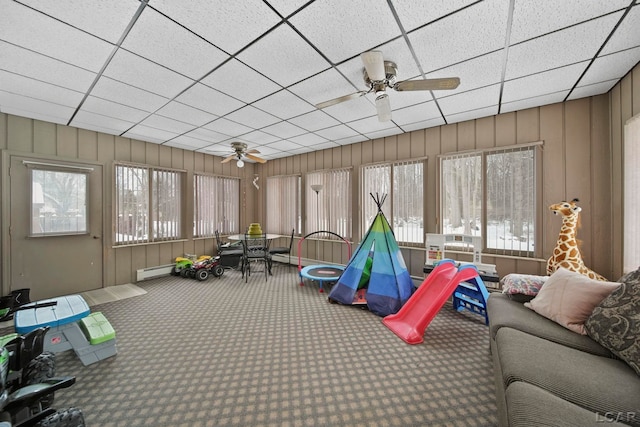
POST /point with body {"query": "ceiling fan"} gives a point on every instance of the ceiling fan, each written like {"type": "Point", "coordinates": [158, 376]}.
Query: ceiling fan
{"type": "Point", "coordinates": [379, 75]}
{"type": "Point", "coordinates": [240, 151]}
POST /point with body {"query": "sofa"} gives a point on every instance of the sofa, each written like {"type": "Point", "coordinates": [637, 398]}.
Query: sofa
{"type": "Point", "coordinates": [552, 372]}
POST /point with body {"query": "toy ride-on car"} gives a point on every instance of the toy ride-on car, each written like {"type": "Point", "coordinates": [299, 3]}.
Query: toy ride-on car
{"type": "Point", "coordinates": [185, 263]}
{"type": "Point", "coordinates": [202, 269]}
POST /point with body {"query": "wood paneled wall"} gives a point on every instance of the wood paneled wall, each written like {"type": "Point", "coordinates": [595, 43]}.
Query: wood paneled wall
{"type": "Point", "coordinates": [581, 157]}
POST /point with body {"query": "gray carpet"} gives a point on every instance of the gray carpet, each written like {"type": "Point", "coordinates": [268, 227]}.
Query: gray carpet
{"type": "Point", "coordinates": [272, 353]}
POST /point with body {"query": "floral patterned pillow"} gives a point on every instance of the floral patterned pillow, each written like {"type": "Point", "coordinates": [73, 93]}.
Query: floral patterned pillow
{"type": "Point", "coordinates": [522, 284]}
{"type": "Point", "coordinates": [615, 323]}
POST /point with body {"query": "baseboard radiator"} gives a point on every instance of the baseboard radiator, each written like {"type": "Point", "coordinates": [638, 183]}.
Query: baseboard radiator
{"type": "Point", "coordinates": [151, 272]}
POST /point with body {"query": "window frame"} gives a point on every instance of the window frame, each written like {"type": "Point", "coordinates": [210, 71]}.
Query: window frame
{"type": "Point", "coordinates": [226, 226]}
{"type": "Point", "coordinates": [276, 219]}
{"type": "Point", "coordinates": [330, 205]}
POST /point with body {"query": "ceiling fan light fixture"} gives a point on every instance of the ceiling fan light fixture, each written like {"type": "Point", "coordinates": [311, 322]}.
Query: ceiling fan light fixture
{"type": "Point", "coordinates": [240, 163]}
{"type": "Point", "coordinates": [383, 106]}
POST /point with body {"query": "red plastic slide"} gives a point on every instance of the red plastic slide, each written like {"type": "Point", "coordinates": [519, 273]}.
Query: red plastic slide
{"type": "Point", "coordinates": [415, 315]}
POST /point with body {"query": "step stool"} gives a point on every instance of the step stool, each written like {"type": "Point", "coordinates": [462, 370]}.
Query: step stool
{"type": "Point", "coordinates": [100, 339]}
{"type": "Point", "coordinates": [472, 296]}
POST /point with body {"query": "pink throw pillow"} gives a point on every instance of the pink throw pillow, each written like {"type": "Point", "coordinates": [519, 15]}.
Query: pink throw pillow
{"type": "Point", "coordinates": [568, 298]}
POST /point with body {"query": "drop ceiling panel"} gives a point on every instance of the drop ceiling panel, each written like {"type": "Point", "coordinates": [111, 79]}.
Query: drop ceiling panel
{"type": "Point", "coordinates": [337, 132]}
{"type": "Point", "coordinates": [351, 140]}
{"type": "Point", "coordinates": [284, 130]}
{"type": "Point", "coordinates": [184, 113]}
{"type": "Point", "coordinates": [284, 145]}
{"type": "Point", "coordinates": [112, 109]}
{"type": "Point", "coordinates": [259, 137]}
{"type": "Point", "coordinates": [593, 89]}
{"type": "Point", "coordinates": [535, 18]}
{"type": "Point", "coordinates": [472, 100]}
{"type": "Point", "coordinates": [534, 102]}
{"type": "Point", "coordinates": [284, 105]}
{"type": "Point", "coordinates": [252, 115]}
{"type": "Point", "coordinates": [125, 94]}
{"type": "Point", "coordinates": [354, 109]}
{"type": "Point", "coordinates": [308, 139]}
{"type": "Point", "coordinates": [166, 43]}
{"type": "Point", "coordinates": [284, 56]}
{"type": "Point", "coordinates": [478, 30]}
{"type": "Point", "coordinates": [144, 74]}
{"type": "Point", "coordinates": [370, 23]}
{"type": "Point", "coordinates": [314, 120]}
{"type": "Point", "coordinates": [475, 73]}
{"type": "Point", "coordinates": [112, 125]}
{"type": "Point", "coordinates": [628, 33]}
{"type": "Point", "coordinates": [188, 142]}
{"type": "Point", "coordinates": [564, 47]}
{"type": "Point", "coordinates": [417, 14]}
{"type": "Point", "coordinates": [613, 66]}
{"type": "Point", "coordinates": [230, 25]}
{"type": "Point", "coordinates": [228, 127]}
{"type": "Point", "coordinates": [423, 124]}
{"type": "Point", "coordinates": [322, 87]}
{"type": "Point", "coordinates": [542, 83]}
{"type": "Point", "coordinates": [43, 68]}
{"type": "Point", "coordinates": [286, 7]}
{"type": "Point", "coordinates": [210, 100]}
{"type": "Point", "coordinates": [31, 107]}
{"type": "Point", "coordinates": [416, 113]}
{"type": "Point", "coordinates": [105, 19]}
{"type": "Point", "coordinates": [371, 124]}
{"type": "Point", "coordinates": [51, 37]}
{"type": "Point", "coordinates": [240, 81]}
{"type": "Point", "coordinates": [207, 135]}
{"type": "Point", "coordinates": [473, 114]}
{"type": "Point", "coordinates": [150, 134]}
{"type": "Point", "coordinates": [31, 88]}
{"type": "Point", "coordinates": [164, 123]}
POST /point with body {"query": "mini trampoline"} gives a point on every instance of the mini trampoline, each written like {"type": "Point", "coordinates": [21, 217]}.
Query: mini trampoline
{"type": "Point", "coordinates": [321, 273]}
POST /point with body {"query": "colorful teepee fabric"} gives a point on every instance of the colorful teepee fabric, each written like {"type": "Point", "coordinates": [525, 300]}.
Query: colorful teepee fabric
{"type": "Point", "coordinates": [390, 285]}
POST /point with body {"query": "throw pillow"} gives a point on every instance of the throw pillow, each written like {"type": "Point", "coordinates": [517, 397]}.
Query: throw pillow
{"type": "Point", "coordinates": [522, 284]}
{"type": "Point", "coordinates": [615, 323]}
{"type": "Point", "coordinates": [568, 298]}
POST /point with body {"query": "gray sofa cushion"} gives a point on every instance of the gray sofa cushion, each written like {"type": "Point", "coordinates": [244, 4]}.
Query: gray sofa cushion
{"type": "Point", "coordinates": [530, 405]}
{"type": "Point", "coordinates": [503, 312]}
{"type": "Point", "coordinates": [598, 384]}
{"type": "Point", "coordinates": [615, 322]}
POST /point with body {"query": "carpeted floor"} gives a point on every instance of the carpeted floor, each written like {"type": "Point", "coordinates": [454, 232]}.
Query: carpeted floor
{"type": "Point", "coordinates": [272, 353]}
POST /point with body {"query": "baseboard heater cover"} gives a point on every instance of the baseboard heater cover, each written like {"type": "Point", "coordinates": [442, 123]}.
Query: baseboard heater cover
{"type": "Point", "coordinates": [151, 272]}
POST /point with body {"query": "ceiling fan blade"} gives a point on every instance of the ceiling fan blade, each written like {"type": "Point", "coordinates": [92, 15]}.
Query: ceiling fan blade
{"type": "Point", "coordinates": [253, 150]}
{"type": "Point", "coordinates": [228, 158]}
{"type": "Point", "coordinates": [428, 84]}
{"type": "Point", "coordinates": [255, 158]}
{"type": "Point", "coordinates": [383, 106]}
{"type": "Point", "coordinates": [374, 64]}
{"type": "Point", "coordinates": [344, 98]}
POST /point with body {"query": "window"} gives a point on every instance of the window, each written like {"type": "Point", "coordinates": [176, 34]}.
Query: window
{"type": "Point", "coordinates": [491, 194]}
{"type": "Point", "coordinates": [216, 205]}
{"type": "Point", "coordinates": [329, 209]}
{"type": "Point", "coordinates": [58, 202]}
{"type": "Point", "coordinates": [631, 197]}
{"type": "Point", "coordinates": [404, 206]}
{"type": "Point", "coordinates": [148, 204]}
{"type": "Point", "coordinates": [284, 204]}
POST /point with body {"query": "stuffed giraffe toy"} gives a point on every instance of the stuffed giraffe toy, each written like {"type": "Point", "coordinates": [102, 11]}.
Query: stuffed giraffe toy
{"type": "Point", "coordinates": [567, 253]}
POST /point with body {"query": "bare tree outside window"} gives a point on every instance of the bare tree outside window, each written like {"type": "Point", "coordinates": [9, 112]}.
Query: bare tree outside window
{"type": "Point", "coordinates": [58, 202]}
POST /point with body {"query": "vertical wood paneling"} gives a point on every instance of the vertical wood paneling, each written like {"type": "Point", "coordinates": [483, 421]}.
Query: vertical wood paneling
{"type": "Point", "coordinates": [417, 144]}
{"type": "Point", "coordinates": [123, 266]}
{"type": "Point", "coordinates": [87, 144]}
{"type": "Point", "coordinates": [165, 159]}
{"type": "Point", "coordinates": [432, 149]}
{"type": "Point", "coordinates": [67, 142]}
{"type": "Point", "coordinates": [152, 256]}
{"type": "Point", "coordinates": [390, 148]}
{"type": "Point", "coordinates": [448, 138]}
{"type": "Point", "coordinates": [19, 133]}
{"type": "Point", "coordinates": [143, 153]}
{"type": "Point", "coordinates": [123, 149]}
{"type": "Point", "coordinates": [506, 129]}
{"type": "Point", "coordinates": [635, 86]}
{"type": "Point", "coordinates": [485, 132]}
{"type": "Point", "coordinates": [44, 138]}
{"type": "Point", "coordinates": [367, 152]}
{"type": "Point", "coordinates": [466, 135]}
{"type": "Point", "coordinates": [403, 146]}
{"type": "Point", "coordinates": [528, 125]}
{"type": "Point", "coordinates": [3, 131]}
{"type": "Point", "coordinates": [377, 146]}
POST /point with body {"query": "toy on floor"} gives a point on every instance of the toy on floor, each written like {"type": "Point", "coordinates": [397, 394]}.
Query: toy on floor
{"type": "Point", "coordinates": [567, 251]}
{"type": "Point", "coordinates": [413, 318]}
{"type": "Point", "coordinates": [186, 262]}
{"type": "Point", "coordinates": [9, 303]}
{"type": "Point", "coordinates": [201, 270]}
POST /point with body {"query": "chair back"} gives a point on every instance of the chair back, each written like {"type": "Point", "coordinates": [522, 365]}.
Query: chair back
{"type": "Point", "coordinates": [255, 245]}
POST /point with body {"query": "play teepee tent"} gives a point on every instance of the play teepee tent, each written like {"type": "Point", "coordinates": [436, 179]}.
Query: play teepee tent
{"type": "Point", "coordinates": [389, 285]}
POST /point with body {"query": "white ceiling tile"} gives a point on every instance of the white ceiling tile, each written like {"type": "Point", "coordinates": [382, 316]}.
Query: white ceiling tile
{"type": "Point", "coordinates": [323, 23]}
{"type": "Point", "coordinates": [144, 74]}
{"type": "Point", "coordinates": [370, 124]}
{"type": "Point", "coordinates": [325, 145]}
{"type": "Point", "coordinates": [537, 101]}
{"type": "Point", "coordinates": [228, 127]}
{"type": "Point", "coordinates": [252, 116]}
{"type": "Point", "coordinates": [34, 108]}
{"type": "Point", "coordinates": [240, 22]}
{"type": "Point", "coordinates": [627, 34]}
{"type": "Point", "coordinates": [265, 151]}
{"type": "Point", "coordinates": [551, 81]}
{"type": "Point", "coordinates": [40, 67]}
{"type": "Point", "coordinates": [112, 125]}
{"type": "Point", "coordinates": [209, 100]}
{"type": "Point", "coordinates": [533, 19]}
{"type": "Point", "coordinates": [208, 135]}
{"type": "Point", "coordinates": [125, 94]}
{"type": "Point", "coordinates": [284, 145]}
{"type": "Point", "coordinates": [31, 88]}
{"type": "Point", "coordinates": [592, 89]}
{"type": "Point", "coordinates": [302, 150]}
{"type": "Point", "coordinates": [400, 100]}
{"type": "Point", "coordinates": [112, 109]}
{"type": "Point", "coordinates": [283, 55]}
{"type": "Point", "coordinates": [240, 81]}
{"type": "Point", "coordinates": [184, 113]}
{"type": "Point", "coordinates": [218, 149]}
{"type": "Point", "coordinates": [482, 71]}
{"type": "Point", "coordinates": [314, 120]}
{"type": "Point", "coordinates": [416, 14]}
{"type": "Point", "coordinates": [324, 86]}
{"type": "Point", "coordinates": [424, 124]}
{"type": "Point", "coordinates": [473, 114]}
{"type": "Point", "coordinates": [284, 105]}
{"type": "Point", "coordinates": [353, 109]}
{"type": "Point", "coordinates": [383, 133]}
{"type": "Point", "coordinates": [173, 143]}
{"type": "Point", "coordinates": [51, 37]}
{"type": "Point", "coordinates": [472, 100]}
{"type": "Point", "coordinates": [167, 43]}
{"type": "Point", "coordinates": [188, 142]}
{"type": "Point", "coordinates": [564, 47]}
{"type": "Point", "coordinates": [104, 19]}
{"type": "Point", "coordinates": [478, 30]}
{"type": "Point", "coordinates": [613, 66]}
{"type": "Point", "coordinates": [284, 130]}
{"type": "Point", "coordinates": [146, 133]}
{"type": "Point", "coordinates": [259, 137]}
{"type": "Point", "coordinates": [415, 113]}
{"type": "Point", "coordinates": [287, 7]}
{"type": "Point", "coordinates": [164, 123]}
{"type": "Point", "coordinates": [351, 140]}
{"type": "Point", "coordinates": [337, 132]}
{"type": "Point", "coordinates": [309, 139]}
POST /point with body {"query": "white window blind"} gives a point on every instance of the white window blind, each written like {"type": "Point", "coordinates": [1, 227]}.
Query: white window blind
{"type": "Point", "coordinates": [631, 195]}
{"type": "Point", "coordinates": [403, 182]}
{"type": "Point", "coordinates": [216, 205]}
{"type": "Point", "coordinates": [166, 204]}
{"type": "Point", "coordinates": [284, 204]}
{"type": "Point", "coordinates": [330, 208]}
{"type": "Point", "coordinates": [492, 194]}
